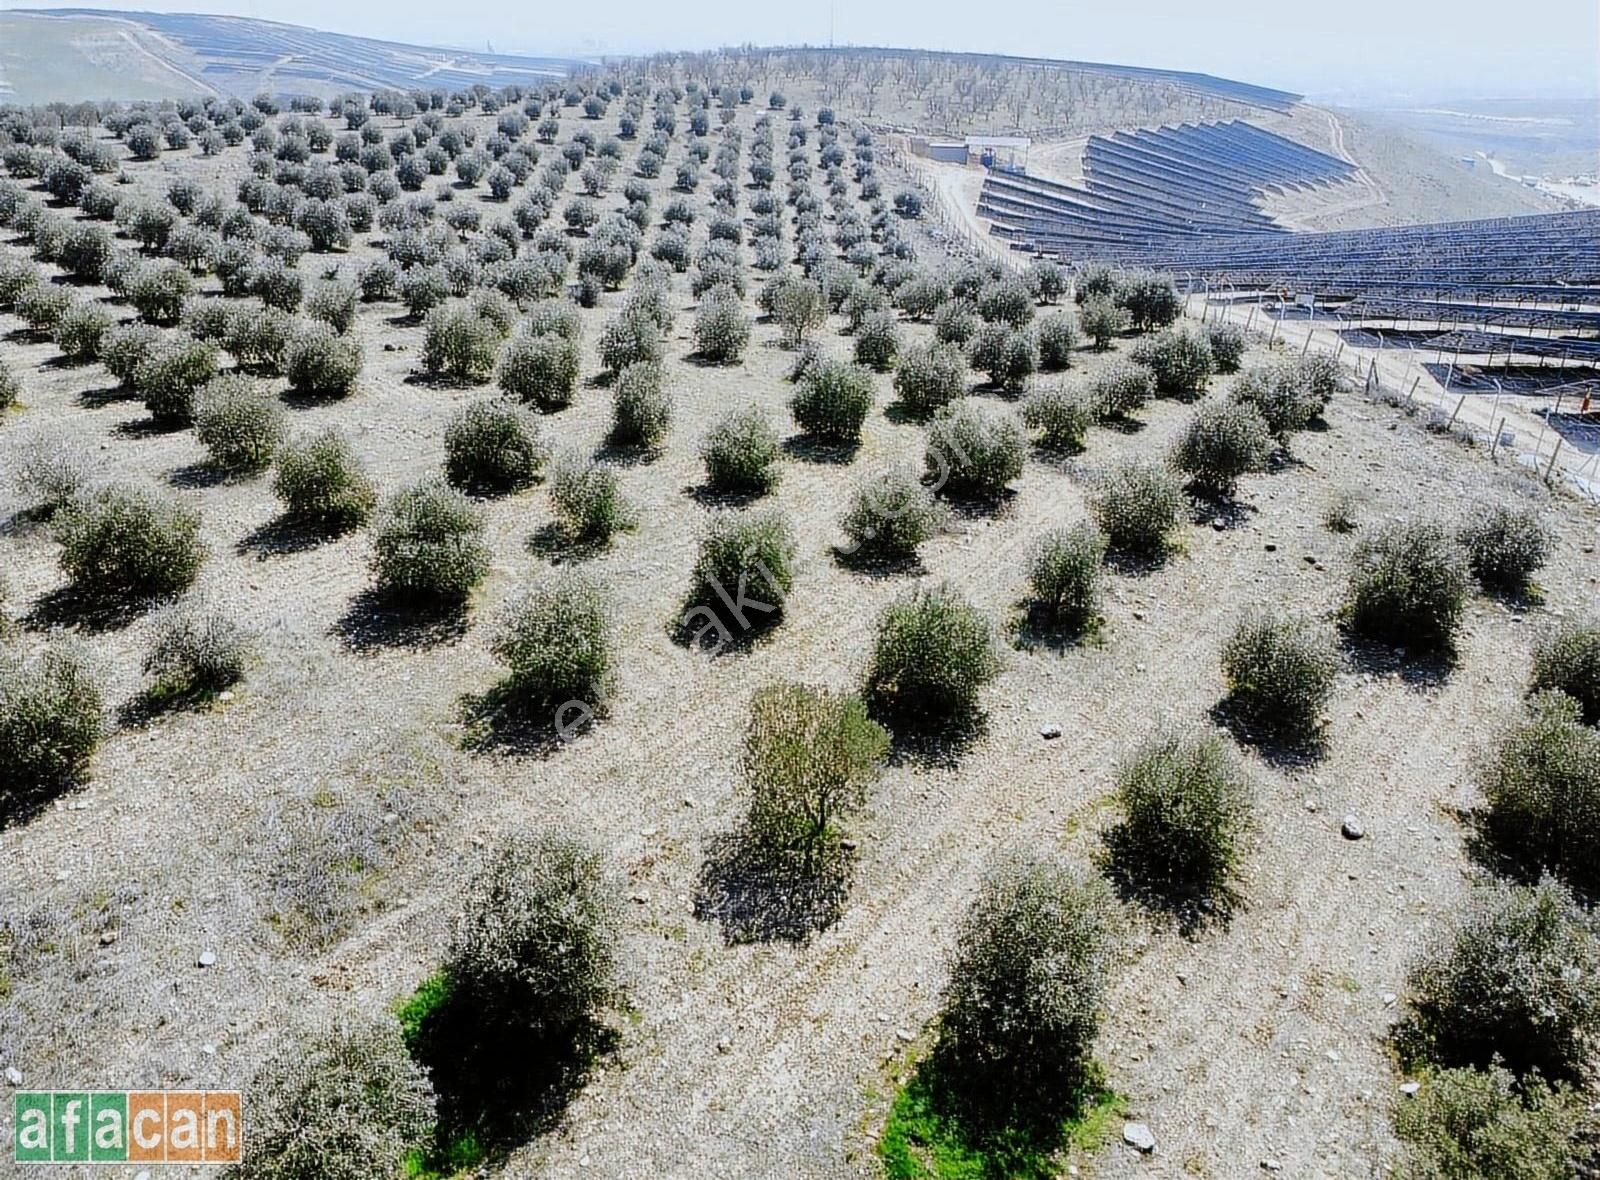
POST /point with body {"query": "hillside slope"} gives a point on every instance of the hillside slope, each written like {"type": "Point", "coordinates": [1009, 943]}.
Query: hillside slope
{"type": "Point", "coordinates": [67, 54]}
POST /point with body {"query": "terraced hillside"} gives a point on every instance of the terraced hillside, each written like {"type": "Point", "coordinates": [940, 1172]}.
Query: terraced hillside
{"type": "Point", "coordinates": [69, 54]}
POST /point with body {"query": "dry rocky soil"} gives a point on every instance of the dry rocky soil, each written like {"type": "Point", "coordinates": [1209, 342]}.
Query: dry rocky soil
{"type": "Point", "coordinates": [1259, 1040]}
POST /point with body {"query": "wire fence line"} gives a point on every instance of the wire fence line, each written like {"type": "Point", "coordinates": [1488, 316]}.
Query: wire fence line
{"type": "Point", "coordinates": [1408, 384]}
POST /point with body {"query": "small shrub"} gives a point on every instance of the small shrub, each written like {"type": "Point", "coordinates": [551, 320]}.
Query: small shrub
{"type": "Point", "coordinates": [261, 338]}
{"type": "Point", "coordinates": [641, 407]}
{"type": "Point", "coordinates": [541, 369]}
{"type": "Point", "coordinates": [1137, 505]}
{"type": "Point", "coordinates": [1061, 414]}
{"type": "Point", "coordinates": [124, 348]}
{"type": "Point", "coordinates": [1058, 337]}
{"type": "Point", "coordinates": [321, 363]}
{"type": "Point", "coordinates": [891, 514]}
{"type": "Point", "coordinates": [588, 500]}
{"type": "Point", "coordinates": [50, 720]}
{"type": "Point", "coordinates": [741, 453]}
{"type": "Point", "coordinates": [1008, 355]}
{"type": "Point", "coordinates": [1408, 585]}
{"type": "Point", "coordinates": [1568, 660]}
{"type": "Point", "coordinates": [1064, 575]}
{"type": "Point", "coordinates": [754, 550]}
{"type": "Point", "coordinates": [322, 484]}
{"type": "Point", "coordinates": [809, 756]}
{"type": "Point", "coordinates": [799, 307]}
{"type": "Point", "coordinates": [169, 375]}
{"type": "Point", "coordinates": [878, 340]}
{"type": "Point", "coordinates": [930, 377]}
{"type": "Point", "coordinates": [343, 1103]}
{"type": "Point", "coordinates": [721, 328]}
{"type": "Point", "coordinates": [79, 331]}
{"type": "Point", "coordinates": [833, 401]}
{"type": "Point", "coordinates": [1279, 673]}
{"type": "Point", "coordinates": [1286, 393]}
{"type": "Point", "coordinates": [334, 303]}
{"type": "Point", "coordinates": [1020, 1014]}
{"type": "Point", "coordinates": [240, 424]}
{"type": "Point", "coordinates": [460, 345]}
{"type": "Point", "coordinates": [1181, 360]}
{"type": "Point", "coordinates": [493, 446]}
{"type": "Point", "coordinates": [533, 958]}
{"type": "Point", "coordinates": [1341, 515]}
{"type": "Point", "coordinates": [42, 305]}
{"type": "Point", "coordinates": [1223, 441]}
{"type": "Point", "coordinates": [49, 471]}
{"type": "Point", "coordinates": [1505, 547]}
{"type": "Point", "coordinates": [157, 292]}
{"type": "Point", "coordinates": [955, 322]}
{"type": "Point", "coordinates": [1187, 812]}
{"type": "Point", "coordinates": [1515, 978]}
{"type": "Point", "coordinates": [1467, 1123]}
{"type": "Point", "coordinates": [932, 653]}
{"type": "Point", "coordinates": [196, 649]}
{"type": "Point", "coordinates": [1228, 343]}
{"type": "Point", "coordinates": [974, 449]}
{"type": "Point", "coordinates": [559, 641]}
{"type": "Point", "coordinates": [628, 339]}
{"type": "Point", "coordinates": [1542, 784]}
{"type": "Point", "coordinates": [555, 317]}
{"type": "Point", "coordinates": [1102, 321]}
{"type": "Point", "coordinates": [428, 545]}
{"type": "Point", "coordinates": [10, 388]}
{"type": "Point", "coordinates": [126, 540]}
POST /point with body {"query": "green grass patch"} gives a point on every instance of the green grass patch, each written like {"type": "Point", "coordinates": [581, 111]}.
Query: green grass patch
{"type": "Point", "coordinates": [925, 1139]}
{"type": "Point", "coordinates": [451, 1153]}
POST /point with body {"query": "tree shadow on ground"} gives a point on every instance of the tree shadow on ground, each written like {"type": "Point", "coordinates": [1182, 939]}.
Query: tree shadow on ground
{"type": "Point", "coordinates": [946, 1111]}
{"type": "Point", "coordinates": [498, 1087]}
{"type": "Point", "coordinates": [916, 739]}
{"type": "Point", "coordinates": [1124, 424]}
{"type": "Point", "coordinates": [1037, 629]}
{"type": "Point", "coordinates": [23, 801]}
{"type": "Point", "coordinates": [283, 535]}
{"type": "Point", "coordinates": [707, 496]}
{"type": "Point", "coordinates": [870, 563]}
{"type": "Point", "coordinates": [1418, 668]}
{"type": "Point", "coordinates": [1130, 564]}
{"type": "Point", "coordinates": [199, 476]}
{"type": "Point", "coordinates": [814, 450]}
{"type": "Point", "coordinates": [156, 702]}
{"type": "Point", "coordinates": [626, 454]}
{"type": "Point", "coordinates": [506, 720]}
{"type": "Point", "coordinates": [756, 895]}
{"type": "Point", "coordinates": [1192, 911]}
{"type": "Point", "coordinates": [966, 506]}
{"type": "Point", "coordinates": [141, 428]}
{"type": "Point", "coordinates": [102, 396]}
{"type": "Point", "coordinates": [90, 611]}
{"type": "Point", "coordinates": [1279, 750]}
{"type": "Point", "coordinates": [374, 621]}
{"type": "Point", "coordinates": [556, 545]}
{"type": "Point", "coordinates": [1208, 510]}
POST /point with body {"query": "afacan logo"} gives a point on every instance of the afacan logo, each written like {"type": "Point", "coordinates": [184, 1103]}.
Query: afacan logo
{"type": "Point", "coordinates": [138, 1126]}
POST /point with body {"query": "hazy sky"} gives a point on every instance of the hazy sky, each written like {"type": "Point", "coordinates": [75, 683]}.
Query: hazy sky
{"type": "Point", "coordinates": [1417, 48]}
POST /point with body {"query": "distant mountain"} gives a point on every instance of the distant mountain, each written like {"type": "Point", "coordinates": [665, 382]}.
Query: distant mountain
{"type": "Point", "coordinates": [69, 54]}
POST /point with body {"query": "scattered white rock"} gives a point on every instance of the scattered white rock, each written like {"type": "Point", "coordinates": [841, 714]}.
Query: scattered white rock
{"type": "Point", "coordinates": [1409, 1089]}
{"type": "Point", "coordinates": [13, 1075]}
{"type": "Point", "coordinates": [1139, 1136]}
{"type": "Point", "coordinates": [1351, 828]}
{"type": "Point", "coordinates": [207, 958]}
{"type": "Point", "coordinates": [1049, 732]}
